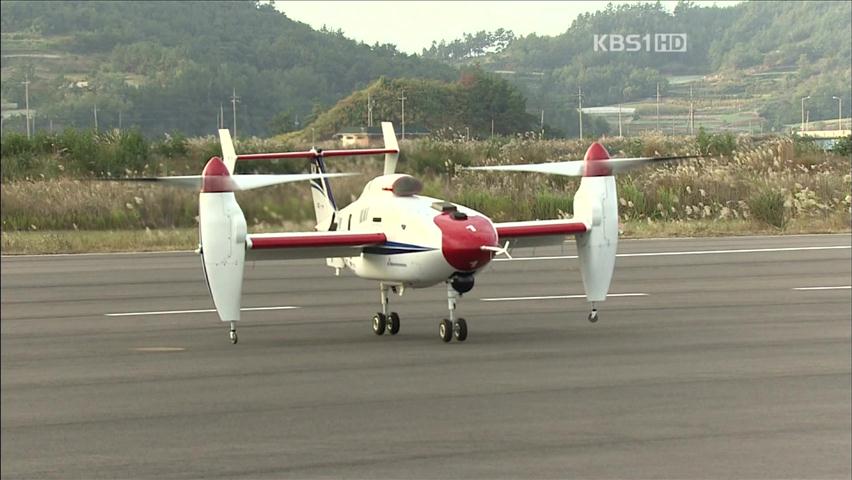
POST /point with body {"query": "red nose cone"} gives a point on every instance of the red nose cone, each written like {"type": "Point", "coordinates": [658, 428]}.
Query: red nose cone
{"type": "Point", "coordinates": [596, 165]}
{"type": "Point", "coordinates": [215, 177]}
{"type": "Point", "coordinates": [463, 239]}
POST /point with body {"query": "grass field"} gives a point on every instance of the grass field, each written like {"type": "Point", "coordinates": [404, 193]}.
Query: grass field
{"type": "Point", "coordinates": [745, 185]}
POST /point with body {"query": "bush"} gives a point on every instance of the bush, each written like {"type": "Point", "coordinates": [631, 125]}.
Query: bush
{"type": "Point", "coordinates": [843, 147]}
{"type": "Point", "coordinates": [767, 205]}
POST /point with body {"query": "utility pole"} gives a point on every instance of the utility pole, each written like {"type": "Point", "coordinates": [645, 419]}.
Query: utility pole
{"type": "Point", "coordinates": [691, 113]}
{"type": "Point", "coordinates": [619, 121]}
{"type": "Point", "coordinates": [96, 117]}
{"type": "Point", "coordinates": [369, 110]}
{"type": "Point", "coordinates": [402, 99]}
{"type": "Point", "coordinates": [802, 129]}
{"type": "Point", "coordinates": [839, 112]}
{"type": "Point", "coordinates": [658, 106]}
{"type": "Point", "coordinates": [234, 100]}
{"type": "Point", "coordinates": [26, 84]}
{"type": "Point", "coordinates": [221, 116]}
{"type": "Point", "coordinates": [542, 124]}
{"type": "Point", "coordinates": [492, 127]}
{"type": "Point", "coordinates": [580, 109]}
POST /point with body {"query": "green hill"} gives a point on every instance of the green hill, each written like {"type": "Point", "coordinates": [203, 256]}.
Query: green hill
{"type": "Point", "coordinates": [168, 66]}
{"type": "Point", "coordinates": [464, 108]}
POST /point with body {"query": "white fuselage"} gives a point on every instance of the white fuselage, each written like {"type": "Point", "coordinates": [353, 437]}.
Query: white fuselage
{"type": "Point", "coordinates": [425, 245]}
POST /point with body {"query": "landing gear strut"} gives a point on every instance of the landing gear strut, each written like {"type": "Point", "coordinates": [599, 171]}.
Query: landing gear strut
{"type": "Point", "coordinates": [384, 321]}
{"type": "Point", "coordinates": [452, 327]}
{"type": "Point", "coordinates": [233, 333]}
{"type": "Point", "coordinates": [593, 315]}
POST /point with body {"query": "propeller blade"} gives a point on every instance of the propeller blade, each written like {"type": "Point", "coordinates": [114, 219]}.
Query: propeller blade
{"type": "Point", "coordinates": [239, 182]}
{"type": "Point", "coordinates": [577, 168]}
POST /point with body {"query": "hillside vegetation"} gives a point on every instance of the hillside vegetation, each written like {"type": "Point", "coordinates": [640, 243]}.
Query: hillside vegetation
{"type": "Point", "coordinates": [767, 54]}
{"type": "Point", "coordinates": [461, 109]}
{"type": "Point", "coordinates": [169, 66]}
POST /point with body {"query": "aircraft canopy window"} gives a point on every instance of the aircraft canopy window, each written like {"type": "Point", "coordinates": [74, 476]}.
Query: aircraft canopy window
{"type": "Point", "coordinates": [406, 186]}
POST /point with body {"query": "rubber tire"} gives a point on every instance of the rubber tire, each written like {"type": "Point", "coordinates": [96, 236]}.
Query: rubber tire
{"type": "Point", "coordinates": [593, 317]}
{"type": "Point", "coordinates": [445, 330]}
{"type": "Point", "coordinates": [393, 323]}
{"type": "Point", "coordinates": [379, 323]}
{"type": "Point", "coordinates": [460, 330]}
{"type": "Point", "coordinates": [233, 337]}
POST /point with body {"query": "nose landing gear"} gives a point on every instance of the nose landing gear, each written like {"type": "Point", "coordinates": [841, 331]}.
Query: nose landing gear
{"type": "Point", "coordinates": [452, 327]}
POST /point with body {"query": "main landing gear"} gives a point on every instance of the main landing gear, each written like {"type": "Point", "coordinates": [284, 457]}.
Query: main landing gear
{"type": "Point", "coordinates": [452, 327]}
{"type": "Point", "coordinates": [593, 315]}
{"type": "Point", "coordinates": [384, 321]}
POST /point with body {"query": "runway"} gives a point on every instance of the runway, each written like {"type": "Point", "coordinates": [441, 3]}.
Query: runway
{"type": "Point", "coordinates": [731, 363]}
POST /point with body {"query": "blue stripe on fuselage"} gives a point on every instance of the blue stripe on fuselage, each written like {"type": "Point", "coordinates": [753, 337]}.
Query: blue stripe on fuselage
{"type": "Point", "coordinates": [396, 248]}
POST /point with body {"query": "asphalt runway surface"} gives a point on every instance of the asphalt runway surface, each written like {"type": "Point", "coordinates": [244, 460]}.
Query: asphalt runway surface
{"type": "Point", "coordinates": [732, 364]}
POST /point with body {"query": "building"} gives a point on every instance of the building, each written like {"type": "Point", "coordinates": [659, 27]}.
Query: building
{"type": "Point", "coordinates": [362, 137]}
{"type": "Point", "coordinates": [359, 137]}
{"type": "Point", "coordinates": [826, 139]}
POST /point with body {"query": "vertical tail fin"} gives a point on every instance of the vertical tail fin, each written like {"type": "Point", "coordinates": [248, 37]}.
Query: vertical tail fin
{"type": "Point", "coordinates": [391, 144]}
{"type": "Point", "coordinates": [229, 155]}
{"type": "Point", "coordinates": [324, 205]}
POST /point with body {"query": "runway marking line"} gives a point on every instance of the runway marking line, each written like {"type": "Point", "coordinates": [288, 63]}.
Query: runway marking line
{"type": "Point", "coordinates": [159, 349]}
{"type": "Point", "coordinates": [555, 297]}
{"type": "Point", "coordinates": [693, 252]}
{"type": "Point", "coordinates": [840, 287]}
{"type": "Point", "coordinates": [205, 310]}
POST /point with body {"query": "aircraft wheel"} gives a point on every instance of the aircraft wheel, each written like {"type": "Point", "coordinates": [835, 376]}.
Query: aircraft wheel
{"type": "Point", "coordinates": [379, 323]}
{"type": "Point", "coordinates": [593, 316]}
{"type": "Point", "coordinates": [445, 330]}
{"type": "Point", "coordinates": [460, 330]}
{"type": "Point", "coordinates": [393, 323]}
{"type": "Point", "coordinates": [233, 336]}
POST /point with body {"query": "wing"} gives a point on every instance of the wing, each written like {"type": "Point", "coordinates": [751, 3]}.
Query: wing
{"type": "Point", "coordinates": [538, 233]}
{"type": "Point", "coordinates": [292, 245]}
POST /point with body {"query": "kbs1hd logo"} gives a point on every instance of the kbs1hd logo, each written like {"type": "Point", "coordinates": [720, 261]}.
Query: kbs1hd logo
{"type": "Point", "coordinates": [656, 43]}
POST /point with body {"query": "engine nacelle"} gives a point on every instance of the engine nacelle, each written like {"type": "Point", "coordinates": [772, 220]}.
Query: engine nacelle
{"type": "Point", "coordinates": [223, 250]}
{"type": "Point", "coordinates": [596, 204]}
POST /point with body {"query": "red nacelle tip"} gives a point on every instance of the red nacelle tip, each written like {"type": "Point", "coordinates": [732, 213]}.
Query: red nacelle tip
{"type": "Point", "coordinates": [595, 165]}
{"type": "Point", "coordinates": [215, 177]}
{"type": "Point", "coordinates": [596, 151]}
